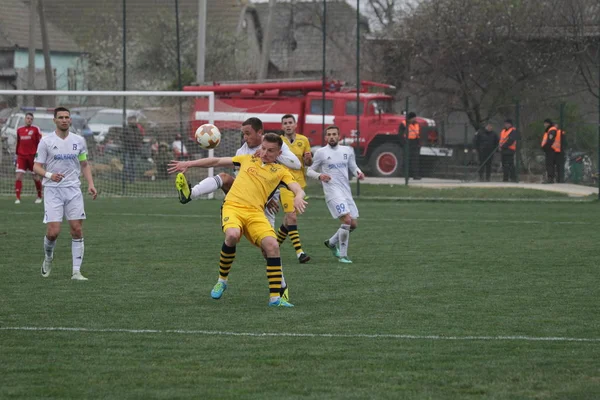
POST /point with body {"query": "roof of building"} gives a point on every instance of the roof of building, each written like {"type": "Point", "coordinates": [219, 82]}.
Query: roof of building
{"type": "Point", "coordinates": [14, 29]}
{"type": "Point", "coordinates": [94, 15]}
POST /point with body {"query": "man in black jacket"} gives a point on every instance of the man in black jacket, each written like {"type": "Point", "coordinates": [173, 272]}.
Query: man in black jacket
{"type": "Point", "coordinates": [486, 143]}
{"type": "Point", "coordinates": [131, 142]}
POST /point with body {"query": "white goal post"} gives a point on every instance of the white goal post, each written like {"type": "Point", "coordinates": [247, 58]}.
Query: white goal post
{"type": "Point", "coordinates": [112, 170]}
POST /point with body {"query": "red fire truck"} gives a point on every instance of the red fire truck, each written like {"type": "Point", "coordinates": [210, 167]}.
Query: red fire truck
{"type": "Point", "coordinates": [378, 145]}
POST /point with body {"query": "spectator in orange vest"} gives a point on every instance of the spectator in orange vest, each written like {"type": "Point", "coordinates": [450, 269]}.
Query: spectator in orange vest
{"type": "Point", "coordinates": [508, 149]}
{"type": "Point", "coordinates": [552, 146]}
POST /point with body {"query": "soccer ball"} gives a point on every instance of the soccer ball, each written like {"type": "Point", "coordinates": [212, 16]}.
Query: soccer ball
{"type": "Point", "coordinates": [208, 136]}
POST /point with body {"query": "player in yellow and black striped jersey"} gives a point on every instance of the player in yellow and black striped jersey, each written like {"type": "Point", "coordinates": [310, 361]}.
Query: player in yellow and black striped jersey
{"type": "Point", "coordinates": [243, 209]}
{"type": "Point", "coordinates": [300, 146]}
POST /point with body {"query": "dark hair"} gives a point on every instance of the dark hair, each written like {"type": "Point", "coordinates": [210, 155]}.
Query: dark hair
{"type": "Point", "coordinates": [273, 138]}
{"type": "Point", "coordinates": [508, 121]}
{"type": "Point", "coordinates": [411, 115]}
{"type": "Point", "coordinates": [548, 121]}
{"type": "Point", "coordinates": [254, 122]}
{"type": "Point", "coordinates": [286, 116]}
{"type": "Point", "coordinates": [59, 109]}
{"type": "Point", "coordinates": [333, 127]}
{"type": "Point", "coordinates": [28, 113]}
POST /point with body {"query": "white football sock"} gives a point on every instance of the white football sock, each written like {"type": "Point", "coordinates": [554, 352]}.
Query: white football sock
{"type": "Point", "coordinates": [283, 284]}
{"type": "Point", "coordinates": [206, 186]}
{"type": "Point", "coordinates": [49, 247]}
{"type": "Point", "coordinates": [344, 236]}
{"type": "Point", "coordinates": [333, 241]}
{"type": "Point", "coordinates": [77, 252]}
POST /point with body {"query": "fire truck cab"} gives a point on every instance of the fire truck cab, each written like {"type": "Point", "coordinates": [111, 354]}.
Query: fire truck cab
{"type": "Point", "coordinates": [377, 142]}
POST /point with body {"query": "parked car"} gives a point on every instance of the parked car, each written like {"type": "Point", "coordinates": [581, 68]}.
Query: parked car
{"type": "Point", "coordinates": [43, 118]}
{"type": "Point", "coordinates": [104, 119]}
{"type": "Point", "coordinates": [44, 121]}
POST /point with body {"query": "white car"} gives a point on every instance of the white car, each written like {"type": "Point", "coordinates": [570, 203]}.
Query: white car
{"type": "Point", "coordinates": [104, 119]}
{"type": "Point", "coordinates": [44, 121]}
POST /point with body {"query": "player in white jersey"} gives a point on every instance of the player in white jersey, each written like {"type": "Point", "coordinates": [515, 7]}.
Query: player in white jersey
{"type": "Point", "coordinates": [330, 166]}
{"type": "Point", "coordinates": [252, 131]}
{"type": "Point", "coordinates": [61, 157]}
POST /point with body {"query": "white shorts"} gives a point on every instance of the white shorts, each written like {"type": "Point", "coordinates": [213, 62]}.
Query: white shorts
{"type": "Point", "coordinates": [60, 202]}
{"type": "Point", "coordinates": [340, 206]}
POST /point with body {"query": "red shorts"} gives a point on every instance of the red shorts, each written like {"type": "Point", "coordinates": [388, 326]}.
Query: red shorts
{"type": "Point", "coordinates": [25, 163]}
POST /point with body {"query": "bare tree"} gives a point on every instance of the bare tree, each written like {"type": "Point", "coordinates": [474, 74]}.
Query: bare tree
{"type": "Point", "coordinates": [581, 21]}
{"type": "Point", "coordinates": [472, 57]}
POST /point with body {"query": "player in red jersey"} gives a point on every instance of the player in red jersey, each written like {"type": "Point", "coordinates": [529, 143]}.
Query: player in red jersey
{"type": "Point", "coordinates": [28, 138]}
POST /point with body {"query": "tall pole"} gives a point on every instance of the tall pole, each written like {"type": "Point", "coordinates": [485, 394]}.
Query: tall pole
{"type": "Point", "coordinates": [31, 66]}
{"type": "Point", "coordinates": [406, 152]}
{"type": "Point", "coordinates": [124, 48]}
{"type": "Point", "coordinates": [201, 42]}
{"type": "Point", "coordinates": [324, 77]}
{"type": "Point", "coordinates": [179, 84]}
{"type": "Point", "coordinates": [124, 44]}
{"type": "Point", "coordinates": [46, 51]}
{"type": "Point", "coordinates": [518, 150]}
{"type": "Point", "coordinates": [358, 87]}
{"type": "Point", "coordinates": [598, 60]}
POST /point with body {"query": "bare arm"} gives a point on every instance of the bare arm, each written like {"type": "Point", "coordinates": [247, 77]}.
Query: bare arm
{"type": "Point", "coordinates": [86, 170]}
{"type": "Point", "coordinates": [182, 166]}
{"type": "Point", "coordinates": [39, 169]}
{"type": "Point", "coordinates": [299, 202]}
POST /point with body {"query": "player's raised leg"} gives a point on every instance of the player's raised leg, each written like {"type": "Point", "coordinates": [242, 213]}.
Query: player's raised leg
{"type": "Point", "coordinates": [208, 185]}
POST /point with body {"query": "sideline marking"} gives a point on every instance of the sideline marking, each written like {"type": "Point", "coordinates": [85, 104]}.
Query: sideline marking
{"type": "Point", "coordinates": [305, 335]}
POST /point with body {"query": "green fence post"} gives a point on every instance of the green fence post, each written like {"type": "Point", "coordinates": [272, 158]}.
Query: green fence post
{"type": "Point", "coordinates": [406, 152]}
{"type": "Point", "coordinates": [518, 127]}
{"type": "Point", "coordinates": [561, 118]}
{"type": "Point", "coordinates": [466, 151]}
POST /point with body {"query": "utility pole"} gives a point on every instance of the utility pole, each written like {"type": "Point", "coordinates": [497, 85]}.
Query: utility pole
{"type": "Point", "coordinates": [46, 50]}
{"type": "Point", "coordinates": [31, 66]}
{"type": "Point", "coordinates": [201, 42]}
{"type": "Point", "coordinates": [266, 44]}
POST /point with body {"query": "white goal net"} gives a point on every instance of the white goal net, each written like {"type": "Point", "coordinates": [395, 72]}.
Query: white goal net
{"type": "Point", "coordinates": [131, 136]}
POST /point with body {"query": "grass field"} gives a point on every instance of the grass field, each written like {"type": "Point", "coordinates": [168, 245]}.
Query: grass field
{"type": "Point", "coordinates": [443, 301]}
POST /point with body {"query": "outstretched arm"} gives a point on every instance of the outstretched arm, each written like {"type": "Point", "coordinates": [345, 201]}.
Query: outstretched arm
{"type": "Point", "coordinates": [288, 158]}
{"type": "Point", "coordinates": [182, 166]}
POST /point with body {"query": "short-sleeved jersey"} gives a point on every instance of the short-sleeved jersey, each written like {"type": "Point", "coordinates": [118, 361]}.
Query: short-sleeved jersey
{"type": "Point", "coordinates": [286, 158]}
{"type": "Point", "coordinates": [299, 147]}
{"type": "Point", "coordinates": [28, 138]}
{"type": "Point", "coordinates": [62, 156]}
{"type": "Point", "coordinates": [335, 162]}
{"type": "Point", "coordinates": [256, 182]}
